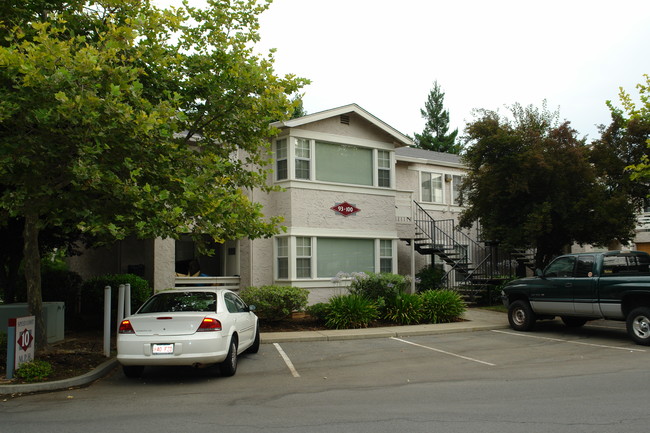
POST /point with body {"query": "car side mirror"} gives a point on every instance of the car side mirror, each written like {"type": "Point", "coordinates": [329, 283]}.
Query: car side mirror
{"type": "Point", "coordinates": [252, 308]}
{"type": "Point", "coordinates": [539, 273]}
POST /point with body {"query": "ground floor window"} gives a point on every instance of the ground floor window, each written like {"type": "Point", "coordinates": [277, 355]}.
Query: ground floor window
{"type": "Point", "coordinates": [323, 257]}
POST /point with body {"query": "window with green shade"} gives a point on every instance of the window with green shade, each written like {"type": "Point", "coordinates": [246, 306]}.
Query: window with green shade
{"type": "Point", "coordinates": [344, 164]}
{"type": "Point", "coordinates": [344, 255]}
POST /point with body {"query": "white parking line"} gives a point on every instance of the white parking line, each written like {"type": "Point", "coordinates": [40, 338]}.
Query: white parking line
{"type": "Point", "coordinates": [287, 360]}
{"type": "Point", "coordinates": [559, 340]}
{"type": "Point", "coordinates": [444, 352]}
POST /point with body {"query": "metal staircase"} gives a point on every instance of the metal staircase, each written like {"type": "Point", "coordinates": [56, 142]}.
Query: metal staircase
{"type": "Point", "coordinates": [472, 268]}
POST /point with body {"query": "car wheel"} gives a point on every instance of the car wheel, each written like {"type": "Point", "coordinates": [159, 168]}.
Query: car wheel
{"type": "Point", "coordinates": [132, 371]}
{"type": "Point", "coordinates": [229, 366]}
{"type": "Point", "coordinates": [638, 325]}
{"type": "Point", "coordinates": [255, 347]}
{"type": "Point", "coordinates": [521, 316]}
{"type": "Point", "coordinates": [573, 322]}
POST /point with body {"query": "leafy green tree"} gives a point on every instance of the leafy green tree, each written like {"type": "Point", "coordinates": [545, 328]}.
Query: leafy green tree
{"type": "Point", "coordinates": [624, 147]}
{"type": "Point", "coordinates": [531, 185]}
{"type": "Point", "coordinates": [637, 127]}
{"type": "Point", "coordinates": [435, 136]}
{"type": "Point", "coordinates": [110, 127]}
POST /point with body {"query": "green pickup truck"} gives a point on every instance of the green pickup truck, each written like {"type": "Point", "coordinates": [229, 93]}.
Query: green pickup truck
{"type": "Point", "coordinates": [613, 285]}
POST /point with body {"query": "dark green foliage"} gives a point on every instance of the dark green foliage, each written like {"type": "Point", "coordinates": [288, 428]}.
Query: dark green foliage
{"type": "Point", "coordinates": [374, 286]}
{"type": "Point", "coordinates": [274, 303]}
{"type": "Point", "coordinates": [34, 371]}
{"type": "Point", "coordinates": [404, 309]}
{"type": "Point", "coordinates": [441, 306]}
{"type": "Point", "coordinates": [3, 346]}
{"type": "Point", "coordinates": [351, 311]}
{"type": "Point", "coordinates": [434, 136]}
{"type": "Point", "coordinates": [429, 278]}
{"type": "Point", "coordinates": [319, 311]}
{"type": "Point", "coordinates": [92, 295]}
{"type": "Point", "coordinates": [530, 184]}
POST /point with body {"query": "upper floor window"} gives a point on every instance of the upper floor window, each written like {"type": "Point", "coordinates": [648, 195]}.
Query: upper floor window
{"type": "Point", "coordinates": [343, 163]}
{"type": "Point", "coordinates": [431, 187]}
{"type": "Point", "coordinates": [303, 158]}
{"type": "Point", "coordinates": [383, 168]}
{"type": "Point", "coordinates": [281, 154]}
{"type": "Point", "coordinates": [455, 187]}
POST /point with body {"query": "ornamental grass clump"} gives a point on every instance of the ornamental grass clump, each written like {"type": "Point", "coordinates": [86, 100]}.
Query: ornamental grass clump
{"type": "Point", "coordinates": [351, 311]}
{"type": "Point", "coordinates": [441, 306]}
{"type": "Point", "coordinates": [404, 309]}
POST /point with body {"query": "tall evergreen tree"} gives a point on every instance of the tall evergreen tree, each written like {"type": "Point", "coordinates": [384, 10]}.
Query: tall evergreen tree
{"type": "Point", "coordinates": [435, 136]}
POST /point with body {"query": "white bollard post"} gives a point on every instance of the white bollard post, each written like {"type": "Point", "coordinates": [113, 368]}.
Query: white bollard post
{"type": "Point", "coordinates": [127, 300]}
{"type": "Point", "coordinates": [107, 321]}
{"type": "Point", "coordinates": [120, 305]}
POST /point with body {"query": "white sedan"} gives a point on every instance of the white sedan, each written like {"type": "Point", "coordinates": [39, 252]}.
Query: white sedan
{"type": "Point", "coordinates": [188, 326]}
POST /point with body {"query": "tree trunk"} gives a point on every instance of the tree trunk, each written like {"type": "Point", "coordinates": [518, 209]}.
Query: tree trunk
{"type": "Point", "coordinates": [32, 264]}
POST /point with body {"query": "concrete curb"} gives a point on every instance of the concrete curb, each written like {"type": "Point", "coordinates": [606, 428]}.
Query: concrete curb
{"type": "Point", "coordinates": [475, 320]}
{"type": "Point", "coordinates": [57, 385]}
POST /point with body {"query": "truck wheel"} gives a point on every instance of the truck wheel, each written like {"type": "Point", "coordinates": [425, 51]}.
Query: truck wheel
{"type": "Point", "coordinates": [573, 322]}
{"type": "Point", "coordinates": [521, 316]}
{"type": "Point", "coordinates": [638, 325]}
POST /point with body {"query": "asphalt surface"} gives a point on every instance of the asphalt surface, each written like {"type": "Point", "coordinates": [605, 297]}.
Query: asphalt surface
{"type": "Point", "coordinates": [473, 320]}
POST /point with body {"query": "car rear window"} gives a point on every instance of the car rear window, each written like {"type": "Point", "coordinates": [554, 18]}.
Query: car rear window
{"type": "Point", "coordinates": [626, 264]}
{"type": "Point", "coordinates": [169, 302]}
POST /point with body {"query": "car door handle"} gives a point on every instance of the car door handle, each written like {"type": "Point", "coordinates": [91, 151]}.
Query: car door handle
{"type": "Point", "coordinates": [568, 285]}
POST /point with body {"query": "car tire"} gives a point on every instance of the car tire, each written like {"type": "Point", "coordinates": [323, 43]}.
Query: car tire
{"type": "Point", "coordinates": [638, 325]}
{"type": "Point", "coordinates": [132, 371]}
{"type": "Point", "coordinates": [573, 322]}
{"type": "Point", "coordinates": [521, 316]}
{"type": "Point", "coordinates": [229, 366]}
{"type": "Point", "coordinates": [255, 347]}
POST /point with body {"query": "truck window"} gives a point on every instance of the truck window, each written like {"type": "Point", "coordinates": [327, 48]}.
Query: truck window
{"type": "Point", "coordinates": [562, 267]}
{"type": "Point", "coordinates": [626, 264]}
{"type": "Point", "coordinates": [584, 267]}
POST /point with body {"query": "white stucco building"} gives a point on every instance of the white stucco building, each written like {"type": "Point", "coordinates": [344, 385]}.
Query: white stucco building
{"type": "Point", "coordinates": [355, 198]}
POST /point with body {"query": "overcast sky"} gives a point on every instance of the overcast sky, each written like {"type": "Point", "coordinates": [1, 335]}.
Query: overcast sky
{"type": "Point", "coordinates": [385, 55]}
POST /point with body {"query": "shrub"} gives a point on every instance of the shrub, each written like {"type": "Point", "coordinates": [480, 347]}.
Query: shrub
{"type": "Point", "coordinates": [441, 306]}
{"type": "Point", "coordinates": [274, 303]}
{"type": "Point", "coordinates": [3, 346]}
{"type": "Point", "coordinates": [92, 294]}
{"type": "Point", "coordinates": [429, 278]}
{"type": "Point", "coordinates": [405, 309]}
{"type": "Point", "coordinates": [34, 371]}
{"type": "Point", "coordinates": [319, 311]}
{"type": "Point", "coordinates": [351, 311]}
{"type": "Point", "coordinates": [374, 286]}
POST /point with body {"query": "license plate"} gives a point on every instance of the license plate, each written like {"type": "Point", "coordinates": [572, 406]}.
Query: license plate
{"type": "Point", "coordinates": [162, 349]}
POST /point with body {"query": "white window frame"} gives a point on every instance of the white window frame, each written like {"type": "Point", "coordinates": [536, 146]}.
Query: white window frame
{"type": "Point", "coordinates": [279, 255]}
{"type": "Point", "coordinates": [302, 157]}
{"type": "Point", "coordinates": [304, 251]}
{"type": "Point", "coordinates": [284, 158]}
{"type": "Point", "coordinates": [430, 174]}
{"type": "Point", "coordinates": [381, 169]}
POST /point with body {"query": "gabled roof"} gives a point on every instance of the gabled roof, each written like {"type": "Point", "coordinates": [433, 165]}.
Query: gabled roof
{"type": "Point", "coordinates": [351, 108]}
{"type": "Point", "coordinates": [411, 154]}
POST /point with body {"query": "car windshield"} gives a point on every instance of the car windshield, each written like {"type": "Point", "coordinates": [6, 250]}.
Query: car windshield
{"type": "Point", "coordinates": [169, 302]}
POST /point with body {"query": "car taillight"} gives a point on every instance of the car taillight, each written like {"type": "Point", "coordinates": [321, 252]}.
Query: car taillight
{"type": "Point", "coordinates": [126, 328]}
{"type": "Point", "coordinates": [209, 324]}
